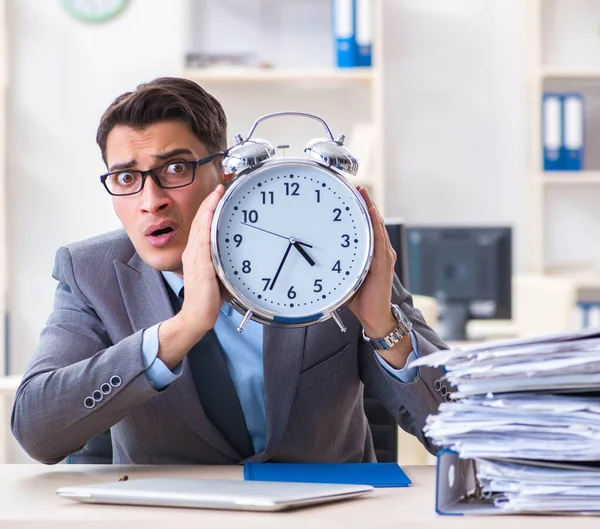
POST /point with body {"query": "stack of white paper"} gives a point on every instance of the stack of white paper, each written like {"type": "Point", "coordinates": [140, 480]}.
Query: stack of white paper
{"type": "Point", "coordinates": [528, 412]}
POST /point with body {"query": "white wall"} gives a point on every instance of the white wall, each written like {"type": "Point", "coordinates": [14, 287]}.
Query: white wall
{"type": "Point", "coordinates": [64, 74]}
{"type": "Point", "coordinates": [455, 91]}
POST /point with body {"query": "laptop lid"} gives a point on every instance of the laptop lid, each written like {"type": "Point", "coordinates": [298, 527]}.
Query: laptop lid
{"type": "Point", "coordinates": [213, 494]}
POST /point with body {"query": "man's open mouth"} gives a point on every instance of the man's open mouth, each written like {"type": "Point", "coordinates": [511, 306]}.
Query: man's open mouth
{"type": "Point", "coordinates": [162, 231]}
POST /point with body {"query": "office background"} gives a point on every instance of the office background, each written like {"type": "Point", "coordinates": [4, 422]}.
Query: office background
{"type": "Point", "coordinates": [454, 145]}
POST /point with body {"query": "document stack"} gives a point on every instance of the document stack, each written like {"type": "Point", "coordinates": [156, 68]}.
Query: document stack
{"type": "Point", "coordinates": [524, 421]}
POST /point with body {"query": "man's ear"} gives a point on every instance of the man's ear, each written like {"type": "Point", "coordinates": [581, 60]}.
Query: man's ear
{"type": "Point", "coordinates": [227, 178]}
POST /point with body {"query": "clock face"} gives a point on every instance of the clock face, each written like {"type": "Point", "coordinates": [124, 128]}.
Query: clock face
{"type": "Point", "coordinates": [292, 241]}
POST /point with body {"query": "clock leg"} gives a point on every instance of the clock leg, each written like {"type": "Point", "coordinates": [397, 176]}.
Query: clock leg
{"type": "Point", "coordinates": [245, 319]}
{"type": "Point", "coordinates": [339, 321]}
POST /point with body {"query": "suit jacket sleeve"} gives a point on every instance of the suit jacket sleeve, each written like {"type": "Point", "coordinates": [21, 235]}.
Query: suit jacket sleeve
{"type": "Point", "coordinates": [74, 358]}
{"type": "Point", "coordinates": [410, 403]}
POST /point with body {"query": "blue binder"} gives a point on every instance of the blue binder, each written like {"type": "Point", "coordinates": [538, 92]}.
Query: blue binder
{"type": "Point", "coordinates": [344, 31]}
{"type": "Point", "coordinates": [364, 32]}
{"type": "Point", "coordinates": [374, 474]}
{"type": "Point", "coordinates": [573, 135]}
{"type": "Point", "coordinates": [552, 131]}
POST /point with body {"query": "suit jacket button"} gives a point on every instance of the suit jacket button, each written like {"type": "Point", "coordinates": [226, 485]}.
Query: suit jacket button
{"type": "Point", "coordinates": [89, 402]}
{"type": "Point", "coordinates": [97, 395]}
{"type": "Point", "coordinates": [438, 385]}
{"type": "Point", "coordinates": [115, 381]}
{"type": "Point", "coordinates": [106, 388]}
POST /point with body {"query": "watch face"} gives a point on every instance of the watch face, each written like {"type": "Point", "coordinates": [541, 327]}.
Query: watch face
{"type": "Point", "coordinates": [292, 241]}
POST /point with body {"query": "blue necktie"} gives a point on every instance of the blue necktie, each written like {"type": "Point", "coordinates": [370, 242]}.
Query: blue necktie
{"type": "Point", "coordinates": [215, 387]}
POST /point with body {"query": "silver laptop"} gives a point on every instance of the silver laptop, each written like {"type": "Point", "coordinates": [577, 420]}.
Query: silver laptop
{"type": "Point", "coordinates": [213, 494]}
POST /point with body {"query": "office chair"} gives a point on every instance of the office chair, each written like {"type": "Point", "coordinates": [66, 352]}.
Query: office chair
{"type": "Point", "coordinates": [97, 450]}
{"type": "Point", "coordinates": [384, 429]}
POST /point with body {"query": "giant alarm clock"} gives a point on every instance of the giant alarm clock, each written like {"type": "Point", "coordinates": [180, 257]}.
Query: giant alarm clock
{"type": "Point", "coordinates": [291, 238]}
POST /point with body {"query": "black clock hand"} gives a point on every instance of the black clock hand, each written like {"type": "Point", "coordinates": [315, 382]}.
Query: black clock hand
{"type": "Point", "coordinates": [298, 246]}
{"type": "Point", "coordinates": [266, 231]}
{"type": "Point", "coordinates": [281, 265]}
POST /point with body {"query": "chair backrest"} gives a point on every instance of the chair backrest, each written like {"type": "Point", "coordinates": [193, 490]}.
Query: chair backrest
{"type": "Point", "coordinates": [97, 450]}
{"type": "Point", "coordinates": [384, 429]}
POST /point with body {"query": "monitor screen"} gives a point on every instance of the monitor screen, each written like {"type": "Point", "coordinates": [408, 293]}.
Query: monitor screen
{"type": "Point", "coordinates": [396, 229]}
{"type": "Point", "coordinates": [467, 269]}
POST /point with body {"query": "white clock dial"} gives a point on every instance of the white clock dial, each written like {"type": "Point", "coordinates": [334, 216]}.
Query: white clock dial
{"type": "Point", "coordinates": [293, 240]}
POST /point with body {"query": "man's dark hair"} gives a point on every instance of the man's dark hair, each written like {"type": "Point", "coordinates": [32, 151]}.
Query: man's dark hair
{"type": "Point", "coordinates": [166, 99]}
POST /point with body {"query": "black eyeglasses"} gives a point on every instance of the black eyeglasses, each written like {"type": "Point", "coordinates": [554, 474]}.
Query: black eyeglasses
{"type": "Point", "coordinates": [168, 176]}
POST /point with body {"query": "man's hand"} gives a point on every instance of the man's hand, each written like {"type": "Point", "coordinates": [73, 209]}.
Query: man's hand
{"type": "Point", "coordinates": [203, 298]}
{"type": "Point", "coordinates": [372, 303]}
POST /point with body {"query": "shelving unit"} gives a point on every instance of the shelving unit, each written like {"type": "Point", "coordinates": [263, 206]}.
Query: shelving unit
{"type": "Point", "coordinates": [562, 225]}
{"type": "Point", "coordinates": [267, 75]}
{"type": "Point", "coordinates": [343, 97]}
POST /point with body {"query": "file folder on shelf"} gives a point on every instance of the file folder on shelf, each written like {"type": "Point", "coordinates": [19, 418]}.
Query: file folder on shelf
{"type": "Point", "coordinates": [364, 32]}
{"type": "Point", "coordinates": [344, 32]}
{"type": "Point", "coordinates": [572, 153]}
{"type": "Point", "coordinates": [374, 474]}
{"type": "Point", "coordinates": [552, 131]}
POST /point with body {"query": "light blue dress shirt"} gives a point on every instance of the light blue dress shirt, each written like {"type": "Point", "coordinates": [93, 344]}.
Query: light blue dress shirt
{"type": "Point", "coordinates": [244, 357]}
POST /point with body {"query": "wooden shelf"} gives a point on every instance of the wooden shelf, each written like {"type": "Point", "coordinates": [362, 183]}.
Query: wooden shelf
{"type": "Point", "coordinates": [254, 75]}
{"type": "Point", "coordinates": [568, 72]}
{"type": "Point", "coordinates": [570, 178]}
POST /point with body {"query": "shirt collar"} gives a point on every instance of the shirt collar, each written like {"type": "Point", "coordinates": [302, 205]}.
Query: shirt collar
{"type": "Point", "coordinates": [176, 284]}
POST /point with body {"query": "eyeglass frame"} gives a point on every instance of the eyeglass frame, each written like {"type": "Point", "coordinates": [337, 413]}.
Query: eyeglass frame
{"type": "Point", "coordinates": [155, 178]}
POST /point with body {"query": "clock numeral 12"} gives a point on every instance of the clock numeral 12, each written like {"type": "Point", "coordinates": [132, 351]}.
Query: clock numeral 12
{"type": "Point", "coordinates": [294, 186]}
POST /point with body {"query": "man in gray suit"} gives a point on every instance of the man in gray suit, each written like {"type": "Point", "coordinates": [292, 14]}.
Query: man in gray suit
{"type": "Point", "coordinates": [125, 349]}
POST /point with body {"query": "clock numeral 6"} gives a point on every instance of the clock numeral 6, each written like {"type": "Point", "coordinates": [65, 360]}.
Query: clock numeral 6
{"type": "Point", "coordinates": [246, 267]}
{"type": "Point", "coordinates": [291, 293]}
{"type": "Point", "coordinates": [318, 286]}
{"type": "Point", "coordinates": [250, 216]}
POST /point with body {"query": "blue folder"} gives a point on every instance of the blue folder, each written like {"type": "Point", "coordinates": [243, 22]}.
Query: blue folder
{"type": "Point", "coordinates": [375, 474]}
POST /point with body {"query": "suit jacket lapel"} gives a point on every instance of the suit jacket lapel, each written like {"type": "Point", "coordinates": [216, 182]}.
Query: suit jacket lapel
{"type": "Point", "coordinates": [147, 303]}
{"type": "Point", "coordinates": [282, 353]}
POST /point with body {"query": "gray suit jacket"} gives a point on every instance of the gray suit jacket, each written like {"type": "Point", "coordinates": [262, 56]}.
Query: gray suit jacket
{"type": "Point", "coordinates": [107, 296]}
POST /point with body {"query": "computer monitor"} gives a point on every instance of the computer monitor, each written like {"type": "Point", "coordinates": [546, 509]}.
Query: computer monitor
{"type": "Point", "coordinates": [396, 229]}
{"type": "Point", "coordinates": [467, 269]}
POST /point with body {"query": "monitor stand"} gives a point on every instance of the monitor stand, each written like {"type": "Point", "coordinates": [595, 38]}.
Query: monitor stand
{"type": "Point", "coordinates": [453, 321]}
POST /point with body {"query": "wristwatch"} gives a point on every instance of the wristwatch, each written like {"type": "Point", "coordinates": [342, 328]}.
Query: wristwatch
{"type": "Point", "coordinates": [400, 331]}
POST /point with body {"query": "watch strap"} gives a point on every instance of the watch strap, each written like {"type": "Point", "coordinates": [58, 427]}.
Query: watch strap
{"type": "Point", "coordinates": [401, 330]}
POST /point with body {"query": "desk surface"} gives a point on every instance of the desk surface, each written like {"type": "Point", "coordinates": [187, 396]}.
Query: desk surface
{"type": "Point", "coordinates": [28, 499]}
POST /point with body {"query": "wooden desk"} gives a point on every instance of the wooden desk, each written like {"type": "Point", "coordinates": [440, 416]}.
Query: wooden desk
{"type": "Point", "coordinates": [28, 499]}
